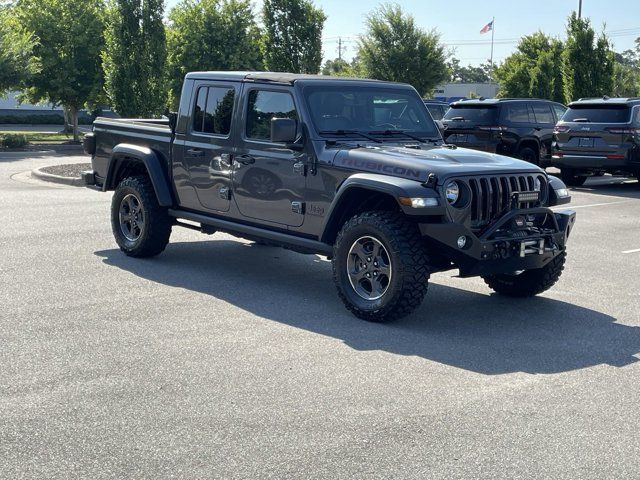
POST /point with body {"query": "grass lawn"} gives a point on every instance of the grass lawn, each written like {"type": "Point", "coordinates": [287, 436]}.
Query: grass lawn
{"type": "Point", "coordinates": [37, 138]}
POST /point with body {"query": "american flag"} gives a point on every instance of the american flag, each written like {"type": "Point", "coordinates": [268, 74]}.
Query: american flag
{"type": "Point", "coordinates": [487, 28]}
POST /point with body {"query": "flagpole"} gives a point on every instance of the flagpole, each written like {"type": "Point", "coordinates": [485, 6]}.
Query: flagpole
{"type": "Point", "coordinates": [493, 28]}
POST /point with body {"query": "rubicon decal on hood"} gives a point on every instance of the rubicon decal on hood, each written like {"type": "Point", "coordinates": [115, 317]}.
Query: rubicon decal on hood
{"type": "Point", "coordinates": [373, 166]}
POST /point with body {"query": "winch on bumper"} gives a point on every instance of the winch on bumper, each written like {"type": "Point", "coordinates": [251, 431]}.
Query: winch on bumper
{"type": "Point", "coordinates": [522, 239]}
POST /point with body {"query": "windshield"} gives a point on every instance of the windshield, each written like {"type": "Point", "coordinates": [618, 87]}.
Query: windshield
{"type": "Point", "coordinates": [479, 114]}
{"type": "Point", "coordinates": [598, 114]}
{"type": "Point", "coordinates": [436, 110]}
{"type": "Point", "coordinates": [375, 109]}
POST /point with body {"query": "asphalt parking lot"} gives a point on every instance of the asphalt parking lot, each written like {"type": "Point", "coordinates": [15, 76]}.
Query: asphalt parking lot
{"type": "Point", "coordinates": [225, 359]}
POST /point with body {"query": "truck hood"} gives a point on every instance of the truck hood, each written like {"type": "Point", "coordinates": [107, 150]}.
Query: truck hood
{"type": "Point", "coordinates": [418, 164]}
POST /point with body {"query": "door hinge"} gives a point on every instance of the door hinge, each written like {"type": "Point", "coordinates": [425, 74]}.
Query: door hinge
{"type": "Point", "coordinates": [297, 207]}
{"type": "Point", "coordinates": [225, 193]}
{"type": "Point", "coordinates": [300, 168]}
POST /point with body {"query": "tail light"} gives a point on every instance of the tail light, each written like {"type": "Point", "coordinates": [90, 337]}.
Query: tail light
{"type": "Point", "coordinates": [623, 130]}
{"type": "Point", "coordinates": [492, 128]}
{"type": "Point", "coordinates": [615, 156]}
{"type": "Point", "coordinates": [560, 129]}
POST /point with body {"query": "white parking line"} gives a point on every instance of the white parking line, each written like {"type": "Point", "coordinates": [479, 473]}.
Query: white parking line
{"type": "Point", "coordinates": [632, 251]}
{"type": "Point", "coordinates": [591, 205]}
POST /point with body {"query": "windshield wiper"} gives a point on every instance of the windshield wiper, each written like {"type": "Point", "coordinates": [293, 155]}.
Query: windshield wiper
{"type": "Point", "coordinates": [408, 134]}
{"type": "Point", "coordinates": [350, 132]}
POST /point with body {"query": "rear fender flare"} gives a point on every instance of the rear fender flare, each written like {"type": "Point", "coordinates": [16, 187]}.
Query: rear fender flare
{"type": "Point", "coordinates": [152, 163]}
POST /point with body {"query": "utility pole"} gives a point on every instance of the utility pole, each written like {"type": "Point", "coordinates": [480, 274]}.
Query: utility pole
{"type": "Point", "coordinates": [579, 9]}
{"type": "Point", "coordinates": [339, 48]}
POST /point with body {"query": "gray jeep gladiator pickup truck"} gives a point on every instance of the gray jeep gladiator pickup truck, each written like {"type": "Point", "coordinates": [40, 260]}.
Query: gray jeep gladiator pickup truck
{"type": "Point", "coordinates": [352, 169]}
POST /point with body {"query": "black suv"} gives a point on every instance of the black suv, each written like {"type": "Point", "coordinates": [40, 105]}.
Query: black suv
{"type": "Point", "coordinates": [516, 127]}
{"type": "Point", "coordinates": [598, 135]}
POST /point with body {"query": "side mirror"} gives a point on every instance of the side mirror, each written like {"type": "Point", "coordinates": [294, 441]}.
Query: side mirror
{"type": "Point", "coordinates": [283, 130]}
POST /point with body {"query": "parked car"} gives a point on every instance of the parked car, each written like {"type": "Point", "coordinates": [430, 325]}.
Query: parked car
{"type": "Point", "coordinates": [598, 135]}
{"type": "Point", "coordinates": [516, 127]}
{"type": "Point", "coordinates": [437, 109]}
{"type": "Point", "coordinates": [352, 169]}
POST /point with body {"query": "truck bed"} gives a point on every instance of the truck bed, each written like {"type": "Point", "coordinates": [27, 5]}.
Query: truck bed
{"type": "Point", "coordinates": [154, 134]}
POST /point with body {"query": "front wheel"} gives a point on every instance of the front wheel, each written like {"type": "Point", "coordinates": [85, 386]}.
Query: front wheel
{"type": "Point", "coordinates": [380, 266]}
{"type": "Point", "coordinates": [140, 225]}
{"type": "Point", "coordinates": [529, 282]}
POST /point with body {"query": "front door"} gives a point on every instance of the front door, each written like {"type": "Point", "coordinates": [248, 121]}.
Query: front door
{"type": "Point", "coordinates": [268, 178]}
{"type": "Point", "coordinates": [208, 145]}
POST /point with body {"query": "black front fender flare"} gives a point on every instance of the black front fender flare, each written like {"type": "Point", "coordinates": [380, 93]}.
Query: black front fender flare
{"type": "Point", "coordinates": [152, 163]}
{"type": "Point", "coordinates": [394, 187]}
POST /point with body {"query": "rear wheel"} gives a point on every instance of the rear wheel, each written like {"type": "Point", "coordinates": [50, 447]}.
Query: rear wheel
{"type": "Point", "coordinates": [380, 266]}
{"type": "Point", "coordinates": [528, 154]}
{"type": "Point", "coordinates": [529, 282]}
{"type": "Point", "coordinates": [571, 178]}
{"type": "Point", "coordinates": [140, 225]}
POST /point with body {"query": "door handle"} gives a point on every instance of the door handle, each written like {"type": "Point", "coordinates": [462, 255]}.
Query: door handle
{"type": "Point", "coordinates": [245, 159]}
{"type": "Point", "coordinates": [195, 152]}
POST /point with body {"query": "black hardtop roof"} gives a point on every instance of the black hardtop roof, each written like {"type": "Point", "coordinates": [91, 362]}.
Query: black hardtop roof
{"type": "Point", "coordinates": [618, 101]}
{"type": "Point", "coordinates": [272, 77]}
{"type": "Point", "coordinates": [496, 101]}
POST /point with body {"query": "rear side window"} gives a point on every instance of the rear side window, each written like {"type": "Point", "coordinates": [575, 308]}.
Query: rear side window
{"type": "Point", "coordinates": [436, 111]}
{"type": "Point", "coordinates": [517, 113]}
{"type": "Point", "coordinates": [480, 115]}
{"type": "Point", "coordinates": [213, 110]}
{"type": "Point", "coordinates": [543, 113]}
{"type": "Point", "coordinates": [598, 114]}
{"type": "Point", "coordinates": [265, 105]}
{"type": "Point", "coordinates": [559, 109]}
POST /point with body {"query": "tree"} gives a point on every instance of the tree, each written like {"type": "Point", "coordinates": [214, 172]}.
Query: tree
{"type": "Point", "coordinates": [394, 48]}
{"type": "Point", "coordinates": [335, 67]}
{"type": "Point", "coordinates": [69, 41]}
{"type": "Point", "coordinates": [134, 57]}
{"type": "Point", "coordinates": [588, 62]}
{"type": "Point", "coordinates": [626, 81]}
{"type": "Point", "coordinates": [17, 62]}
{"type": "Point", "coordinates": [468, 74]}
{"type": "Point", "coordinates": [293, 36]}
{"type": "Point", "coordinates": [211, 35]}
{"type": "Point", "coordinates": [533, 70]}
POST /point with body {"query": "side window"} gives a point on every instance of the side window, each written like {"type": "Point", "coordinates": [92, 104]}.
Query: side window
{"type": "Point", "coordinates": [265, 105]}
{"type": "Point", "coordinates": [543, 113]}
{"type": "Point", "coordinates": [213, 110]}
{"type": "Point", "coordinates": [517, 113]}
{"type": "Point", "coordinates": [559, 109]}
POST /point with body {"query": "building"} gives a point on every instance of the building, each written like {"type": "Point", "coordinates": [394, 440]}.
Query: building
{"type": "Point", "coordinates": [450, 92]}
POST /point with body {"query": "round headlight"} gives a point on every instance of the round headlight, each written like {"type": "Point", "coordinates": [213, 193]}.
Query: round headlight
{"type": "Point", "coordinates": [452, 192]}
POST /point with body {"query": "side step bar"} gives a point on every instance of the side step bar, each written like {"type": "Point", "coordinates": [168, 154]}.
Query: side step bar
{"type": "Point", "coordinates": [250, 232]}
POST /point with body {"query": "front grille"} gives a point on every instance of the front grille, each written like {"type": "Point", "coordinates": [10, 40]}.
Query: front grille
{"type": "Point", "coordinates": [491, 196]}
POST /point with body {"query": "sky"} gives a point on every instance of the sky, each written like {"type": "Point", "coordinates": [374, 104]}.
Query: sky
{"type": "Point", "coordinates": [459, 23]}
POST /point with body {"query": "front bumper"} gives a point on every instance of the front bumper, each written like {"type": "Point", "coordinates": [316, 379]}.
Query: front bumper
{"type": "Point", "coordinates": [498, 251]}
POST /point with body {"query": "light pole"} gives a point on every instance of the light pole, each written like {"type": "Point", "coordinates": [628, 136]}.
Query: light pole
{"type": "Point", "coordinates": [579, 8]}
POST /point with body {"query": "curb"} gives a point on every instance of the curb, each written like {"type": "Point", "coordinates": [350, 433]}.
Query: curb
{"type": "Point", "coordinates": [26, 154]}
{"type": "Point", "coordinates": [49, 177]}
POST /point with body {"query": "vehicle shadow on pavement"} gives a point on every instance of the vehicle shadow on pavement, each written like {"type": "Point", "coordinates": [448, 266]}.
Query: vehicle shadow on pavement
{"type": "Point", "coordinates": [488, 334]}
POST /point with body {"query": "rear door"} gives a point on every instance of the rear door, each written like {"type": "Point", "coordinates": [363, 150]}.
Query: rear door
{"type": "Point", "coordinates": [268, 178]}
{"type": "Point", "coordinates": [593, 129]}
{"type": "Point", "coordinates": [208, 145]}
{"type": "Point", "coordinates": [545, 122]}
